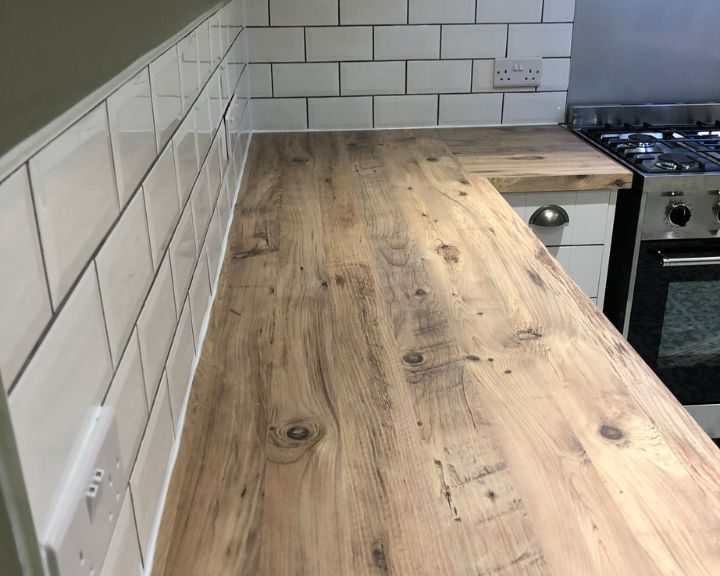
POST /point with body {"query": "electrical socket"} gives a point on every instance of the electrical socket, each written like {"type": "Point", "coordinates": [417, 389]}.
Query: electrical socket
{"type": "Point", "coordinates": [517, 72]}
{"type": "Point", "coordinates": [87, 508]}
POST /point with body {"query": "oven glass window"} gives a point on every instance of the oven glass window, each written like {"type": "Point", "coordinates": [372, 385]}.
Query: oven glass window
{"type": "Point", "coordinates": [691, 325]}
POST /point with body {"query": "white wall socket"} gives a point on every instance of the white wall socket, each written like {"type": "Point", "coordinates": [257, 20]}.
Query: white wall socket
{"type": "Point", "coordinates": [87, 507]}
{"type": "Point", "coordinates": [517, 72]}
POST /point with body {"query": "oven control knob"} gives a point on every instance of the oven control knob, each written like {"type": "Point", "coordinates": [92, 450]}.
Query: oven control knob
{"type": "Point", "coordinates": [678, 214]}
{"type": "Point", "coordinates": [716, 211]}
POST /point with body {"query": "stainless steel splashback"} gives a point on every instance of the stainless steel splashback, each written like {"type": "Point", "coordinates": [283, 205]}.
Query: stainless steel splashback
{"type": "Point", "coordinates": [645, 51]}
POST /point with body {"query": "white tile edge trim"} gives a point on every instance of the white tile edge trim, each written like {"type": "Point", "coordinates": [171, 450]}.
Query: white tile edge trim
{"type": "Point", "coordinates": [22, 152]}
{"type": "Point", "coordinates": [150, 560]}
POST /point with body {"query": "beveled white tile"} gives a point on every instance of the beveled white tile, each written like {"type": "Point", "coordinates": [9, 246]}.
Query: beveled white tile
{"type": "Point", "coordinates": [224, 28]}
{"type": "Point", "coordinates": [223, 206]}
{"type": "Point", "coordinates": [279, 113]}
{"type": "Point", "coordinates": [213, 169]}
{"type": "Point", "coordinates": [372, 78]}
{"type": "Point", "coordinates": [315, 79]}
{"type": "Point", "coordinates": [439, 76]}
{"type": "Point", "coordinates": [445, 12]}
{"type": "Point", "coordinates": [405, 111]}
{"type": "Point", "coordinates": [559, 11]}
{"type": "Point", "coordinates": [52, 401]}
{"type": "Point", "coordinates": [166, 95]}
{"type": "Point", "coordinates": [24, 298]}
{"type": "Point", "coordinates": [148, 476]}
{"type": "Point", "coordinates": [203, 124]}
{"type": "Point", "coordinates": [123, 555]}
{"type": "Point", "coordinates": [125, 272]}
{"type": "Point", "coordinates": [202, 36]}
{"type": "Point", "coordinates": [199, 295]}
{"type": "Point", "coordinates": [532, 40]}
{"type": "Point", "coordinates": [276, 44]}
{"type": "Point", "coordinates": [179, 363]}
{"type": "Point", "coordinates": [201, 206]}
{"type": "Point", "coordinates": [127, 397]}
{"type": "Point", "coordinates": [470, 109]}
{"type": "Point", "coordinates": [187, 162]}
{"type": "Point", "coordinates": [222, 148]}
{"type": "Point", "coordinates": [236, 13]}
{"type": "Point", "coordinates": [352, 113]}
{"type": "Point", "coordinates": [342, 43]}
{"type": "Point", "coordinates": [261, 80]}
{"type": "Point", "coordinates": [73, 183]}
{"type": "Point", "coordinates": [373, 12]}
{"type": "Point", "coordinates": [509, 10]}
{"type": "Point", "coordinates": [474, 41]}
{"type": "Point", "coordinates": [305, 13]}
{"type": "Point", "coordinates": [132, 131]}
{"type": "Point", "coordinates": [535, 108]}
{"type": "Point", "coordinates": [189, 70]}
{"type": "Point", "coordinates": [216, 49]}
{"type": "Point", "coordinates": [213, 247]}
{"type": "Point", "coordinates": [555, 74]}
{"type": "Point", "coordinates": [217, 104]}
{"type": "Point", "coordinates": [257, 12]}
{"type": "Point", "coordinates": [156, 326]}
{"type": "Point", "coordinates": [407, 42]}
{"type": "Point", "coordinates": [162, 203]}
{"type": "Point", "coordinates": [183, 255]}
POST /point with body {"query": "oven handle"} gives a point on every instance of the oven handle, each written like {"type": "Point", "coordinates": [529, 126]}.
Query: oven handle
{"type": "Point", "coordinates": [668, 262]}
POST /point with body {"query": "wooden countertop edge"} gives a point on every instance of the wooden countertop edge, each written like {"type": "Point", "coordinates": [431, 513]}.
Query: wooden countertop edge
{"type": "Point", "coordinates": [558, 183]}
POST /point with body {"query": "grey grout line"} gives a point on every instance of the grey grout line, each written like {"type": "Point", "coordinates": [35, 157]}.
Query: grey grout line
{"type": "Point", "coordinates": [104, 318]}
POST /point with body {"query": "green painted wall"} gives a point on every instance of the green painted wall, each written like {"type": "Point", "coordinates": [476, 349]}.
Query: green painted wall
{"type": "Point", "coordinates": [53, 53]}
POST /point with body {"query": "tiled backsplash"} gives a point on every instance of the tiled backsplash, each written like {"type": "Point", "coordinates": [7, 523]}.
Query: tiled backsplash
{"type": "Point", "coordinates": [345, 64]}
{"type": "Point", "coordinates": [112, 237]}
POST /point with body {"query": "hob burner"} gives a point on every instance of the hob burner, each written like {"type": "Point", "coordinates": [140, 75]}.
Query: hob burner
{"type": "Point", "coordinates": [676, 162]}
{"type": "Point", "coordinates": [642, 138]}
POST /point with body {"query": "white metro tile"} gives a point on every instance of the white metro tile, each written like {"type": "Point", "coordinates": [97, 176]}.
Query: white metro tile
{"type": "Point", "coordinates": [201, 206]}
{"type": "Point", "coordinates": [376, 78]}
{"type": "Point", "coordinates": [213, 248]}
{"type": "Point", "coordinates": [148, 476]}
{"type": "Point", "coordinates": [183, 255]}
{"type": "Point", "coordinates": [127, 397]}
{"type": "Point", "coordinates": [156, 327]}
{"type": "Point", "coordinates": [199, 296]}
{"type": "Point", "coordinates": [202, 35]}
{"type": "Point", "coordinates": [474, 41]}
{"type": "Point", "coordinates": [223, 206]}
{"type": "Point", "coordinates": [470, 109]}
{"type": "Point", "coordinates": [305, 13]}
{"type": "Point", "coordinates": [555, 74]}
{"type": "Point", "coordinates": [373, 12]}
{"type": "Point", "coordinates": [533, 40]}
{"type": "Point", "coordinates": [216, 47]}
{"type": "Point", "coordinates": [407, 42]}
{"type": "Point", "coordinates": [276, 44]}
{"type": "Point", "coordinates": [203, 125]}
{"type": "Point", "coordinates": [236, 13]}
{"type": "Point", "coordinates": [132, 132]}
{"type": "Point", "coordinates": [166, 96]}
{"type": "Point", "coordinates": [125, 272]}
{"type": "Point", "coordinates": [73, 183]}
{"type": "Point", "coordinates": [441, 76]}
{"type": "Point", "coordinates": [179, 363]}
{"type": "Point", "coordinates": [187, 163]}
{"type": "Point", "coordinates": [333, 44]}
{"type": "Point", "coordinates": [52, 401]}
{"type": "Point", "coordinates": [509, 10]}
{"type": "Point", "coordinates": [447, 11]}
{"type": "Point", "coordinates": [123, 555]}
{"type": "Point", "coordinates": [162, 203]}
{"type": "Point", "coordinates": [256, 12]}
{"type": "Point", "coordinates": [340, 113]}
{"type": "Point", "coordinates": [217, 104]}
{"type": "Point", "coordinates": [279, 114]}
{"type": "Point", "coordinates": [261, 80]}
{"type": "Point", "coordinates": [24, 299]}
{"type": "Point", "coordinates": [534, 108]}
{"type": "Point", "coordinates": [189, 69]}
{"type": "Point", "coordinates": [559, 11]}
{"type": "Point", "coordinates": [316, 79]}
{"type": "Point", "coordinates": [213, 169]}
{"type": "Point", "coordinates": [405, 111]}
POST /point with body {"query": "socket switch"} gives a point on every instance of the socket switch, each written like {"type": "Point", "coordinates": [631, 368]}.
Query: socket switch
{"type": "Point", "coordinates": [517, 72]}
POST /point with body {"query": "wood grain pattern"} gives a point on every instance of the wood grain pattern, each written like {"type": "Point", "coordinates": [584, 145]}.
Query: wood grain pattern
{"type": "Point", "coordinates": [533, 159]}
{"type": "Point", "coordinates": [399, 379]}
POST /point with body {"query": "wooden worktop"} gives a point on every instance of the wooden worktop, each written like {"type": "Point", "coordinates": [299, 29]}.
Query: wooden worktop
{"type": "Point", "coordinates": [398, 379]}
{"type": "Point", "coordinates": [533, 159]}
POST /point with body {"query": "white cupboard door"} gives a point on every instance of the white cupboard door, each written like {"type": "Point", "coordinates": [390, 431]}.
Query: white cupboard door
{"type": "Point", "coordinates": [583, 263]}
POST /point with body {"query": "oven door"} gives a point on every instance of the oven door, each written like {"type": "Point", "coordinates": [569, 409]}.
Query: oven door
{"type": "Point", "coordinates": [675, 322]}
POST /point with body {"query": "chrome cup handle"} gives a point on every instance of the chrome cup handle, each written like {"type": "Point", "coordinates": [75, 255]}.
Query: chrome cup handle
{"type": "Point", "coordinates": [550, 216]}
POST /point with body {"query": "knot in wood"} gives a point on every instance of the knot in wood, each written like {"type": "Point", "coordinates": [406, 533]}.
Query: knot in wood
{"type": "Point", "coordinates": [413, 358]}
{"type": "Point", "coordinates": [450, 254]}
{"type": "Point", "coordinates": [611, 432]}
{"type": "Point", "coordinates": [431, 159]}
{"type": "Point", "coordinates": [420, 292]}
{"type": "Point", "coordinates": [295, 433]}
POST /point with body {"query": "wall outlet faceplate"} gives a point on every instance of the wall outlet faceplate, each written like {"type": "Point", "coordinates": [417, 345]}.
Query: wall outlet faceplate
{"type": "Point", "coordinates": [88, 504]}
{"type": "Point", "coordinates": [517, 72]}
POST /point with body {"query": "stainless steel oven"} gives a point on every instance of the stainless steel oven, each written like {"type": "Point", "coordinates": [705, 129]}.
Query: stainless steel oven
{"type": "Point", "coordinates": [675, 321]}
